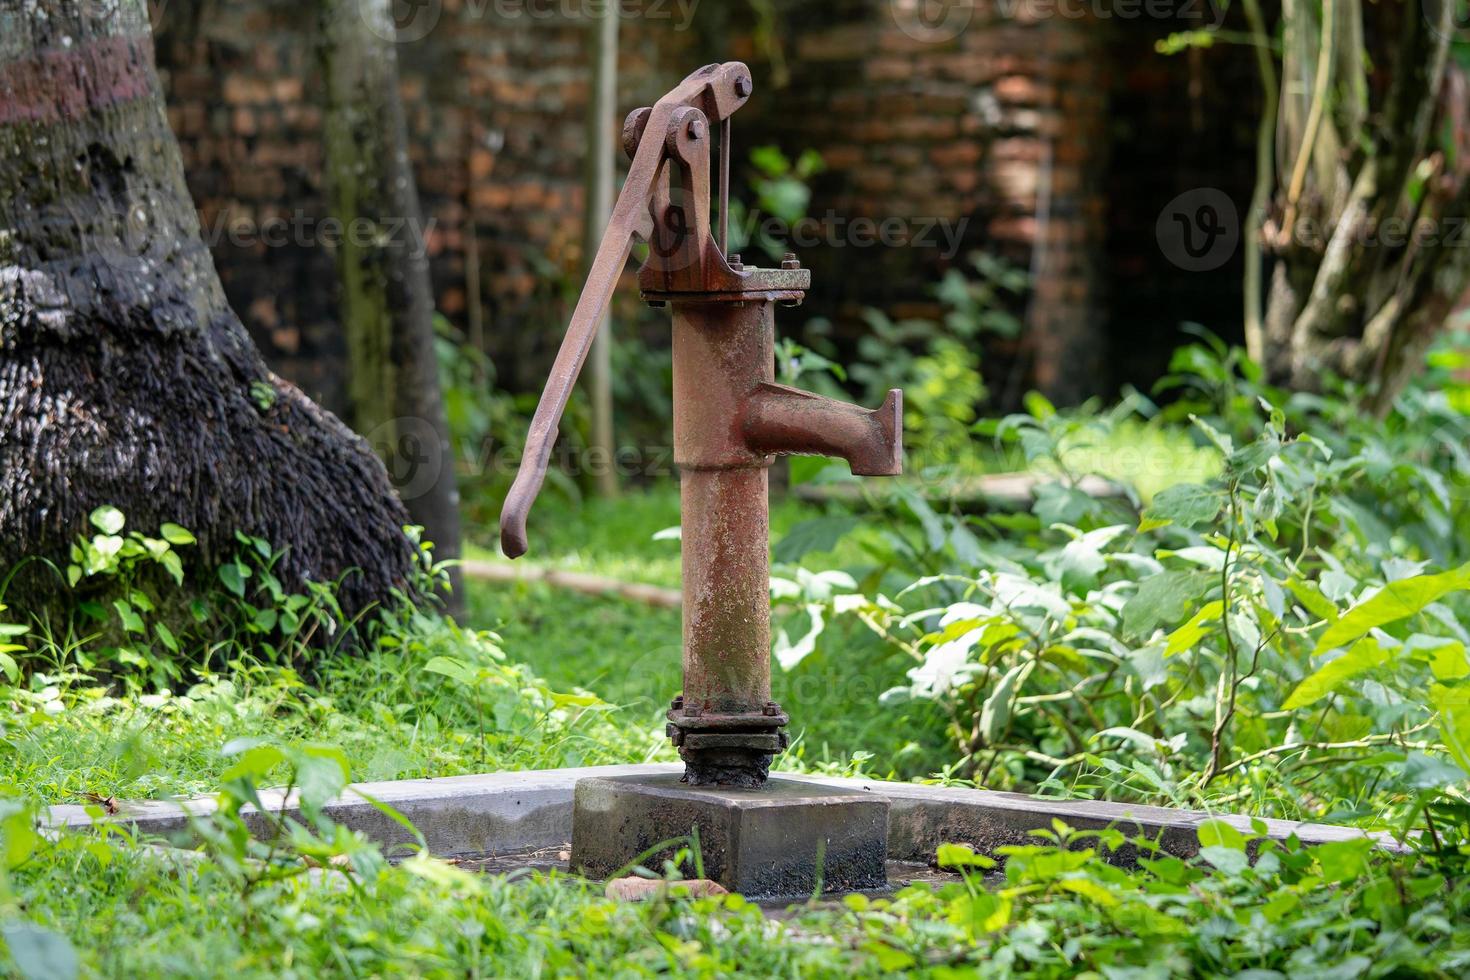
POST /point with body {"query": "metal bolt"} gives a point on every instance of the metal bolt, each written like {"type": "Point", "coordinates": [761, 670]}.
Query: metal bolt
{"type": "Point", "coordinates": [696, 130]}
{"type": "Point", "coordinates": [742, 86]}
{"type": "Point", "coordinates": [692, 711]}
{"type": "Point", "coordinates": [772, 709]}
{"type": "Point", "coordinates": [735, 264]}
{"type": "Point", "coordinates": [790, 261]}
{"type": "Point", "coordinates": [678, 702]}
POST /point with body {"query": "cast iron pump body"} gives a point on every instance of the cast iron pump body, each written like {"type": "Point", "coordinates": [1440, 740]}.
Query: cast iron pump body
{"type": "Point", "coordinates": [730, 418]}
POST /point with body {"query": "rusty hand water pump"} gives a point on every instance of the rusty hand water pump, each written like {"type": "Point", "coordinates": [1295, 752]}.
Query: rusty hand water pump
{"type": "Point", "coordinates": [730, 417]}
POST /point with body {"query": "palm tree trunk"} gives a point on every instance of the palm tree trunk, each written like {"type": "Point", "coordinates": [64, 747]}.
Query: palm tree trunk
{"type": "Point", "coordinates": [125, 378]}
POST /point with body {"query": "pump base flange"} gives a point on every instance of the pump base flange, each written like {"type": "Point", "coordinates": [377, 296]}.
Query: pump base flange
{"type": "Point", "coordinates": [727, 749]}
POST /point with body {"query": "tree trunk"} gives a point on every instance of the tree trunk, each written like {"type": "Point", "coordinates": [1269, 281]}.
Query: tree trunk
{"type": "Point", "coordinates": [125, 379]}
{"type": "Point", "coordinates": [387, 299]}
{"type": "Point", "coordinates": [1370, 226]}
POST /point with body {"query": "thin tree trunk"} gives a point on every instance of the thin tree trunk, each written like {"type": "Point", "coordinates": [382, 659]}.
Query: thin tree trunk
{"type": "Point", "coordinates": [125, 378]}
{"type": "Point", "coordinates": [601, 109]}
{"type": "Point", "coordinates": [387, 299]}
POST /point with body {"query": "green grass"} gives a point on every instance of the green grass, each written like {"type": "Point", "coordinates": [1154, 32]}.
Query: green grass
{"type": "Point", "coordinates": [392, 717]}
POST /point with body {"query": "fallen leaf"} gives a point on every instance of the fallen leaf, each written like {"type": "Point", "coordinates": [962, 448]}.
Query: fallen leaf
{"type": "Point", "coordinates": [107, 803]}
{"type": "Point", "coordinates": [335, 861]}
{"type": "Point", "coordinates": [634, 889]}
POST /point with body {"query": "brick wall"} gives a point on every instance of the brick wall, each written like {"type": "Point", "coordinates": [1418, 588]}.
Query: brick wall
{"type": "Point", "coordinates": [1001, 129]}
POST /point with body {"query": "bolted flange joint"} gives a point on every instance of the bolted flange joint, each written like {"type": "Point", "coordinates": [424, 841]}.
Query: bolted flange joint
{"type": "Point", "coordinates": [722, 749]}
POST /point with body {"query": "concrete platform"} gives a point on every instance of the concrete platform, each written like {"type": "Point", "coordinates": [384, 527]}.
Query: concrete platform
{"type": "Point", "coordinates": [788, 839]}
{"type": "Point", "coordinates": [504, 812]}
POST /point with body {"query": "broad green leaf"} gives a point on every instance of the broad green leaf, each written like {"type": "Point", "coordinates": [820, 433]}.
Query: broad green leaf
{"type": "Point", "coordinates": [1162, 600]}
{"type": "Point", "coordinates": [995, 715]}
{"type": "Point", "coordinates": [961, 856]}
{"type": "Point", "coordinates": [1280, 906]}
{"type": "Point", "coordinates": [1195, 630]}
{"type": "Point", "coordinates": [1184, 504]}
{"type": "Point", "coordinates": [108, 520]}
{"type": "Point", "coordinates": [818, 534]}
{"type": "Point", "coordinates": [1343, 860]}
{"type": "Point", "coordinates": [322, 773]}
{"type": "Point", "coordinates": [254, 764]}
{"type": "Point", "coordinates": [1422, 771]}
{"type": "Point", "coordinates": [40, 954]}
{"type": "Point", "coordinates": [233, 576]}
{"type": "Point", "coordinates": [1148, 663]}
{"type": "Point", "coordinates": [174, 534]}
{"type": "Point", "coordinates": [1090, 890]}
{"type": "Point", "coordinates": [1360, 657]}
{"type": "Point", "coordinates": [1082, 561]}
{"type": "Point", "coordinates": [1227, 859]}
{"type": "Point", "coordinates": [131, 621]}
{"type": "Point", "coordinates": [889, 960]}
{"type": "Point", "coordinates": [1312, 598]}
{"type": "Point", "coordinates": [1449, 661]}
{"type": "Point", "coordinates": [449, 667]}
{"type": "Point", "coordinates": [1396, 601]}
{"type": "Point", "coordinates": [1453, 705]}
{"type": "Point", "coordinates": [1218, 833]}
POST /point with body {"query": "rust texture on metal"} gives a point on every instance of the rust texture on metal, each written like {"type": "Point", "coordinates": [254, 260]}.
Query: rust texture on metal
{"type": "Point", "coordinates": [731, 420]}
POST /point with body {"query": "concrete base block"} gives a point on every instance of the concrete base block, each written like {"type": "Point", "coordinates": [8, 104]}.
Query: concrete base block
{"type": "Point", "coordinates": [783, 840]}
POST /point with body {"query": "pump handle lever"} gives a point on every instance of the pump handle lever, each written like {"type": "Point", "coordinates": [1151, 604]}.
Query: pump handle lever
{"type": "Point", "coordinates": [717, 90]}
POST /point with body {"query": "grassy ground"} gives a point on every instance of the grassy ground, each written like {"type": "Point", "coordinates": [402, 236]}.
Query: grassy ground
{"type": "Point", "coordinates": [629, 653]}
{"type": "Point", "coordinates": [430, 698]}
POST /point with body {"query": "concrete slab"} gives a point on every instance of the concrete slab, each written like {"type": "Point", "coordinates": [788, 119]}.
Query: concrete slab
{"type": "Point", "coordinates": [788, 839]}
{"type": "Point", "coordinates": [458, 816]}
{"type": "Point", "coordinates": [923, 817]}
{"type": "Point", "coordinates": [503, 812]}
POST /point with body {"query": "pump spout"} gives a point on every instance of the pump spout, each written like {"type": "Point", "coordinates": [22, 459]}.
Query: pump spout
{"type": "Point", "coordinates": [784, 421]}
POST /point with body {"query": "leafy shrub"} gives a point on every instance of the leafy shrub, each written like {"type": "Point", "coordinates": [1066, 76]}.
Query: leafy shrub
{"type": "Point", "coordinates": [1284, 637]}
{"type": "Point", "coordinates": [123, 694]}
